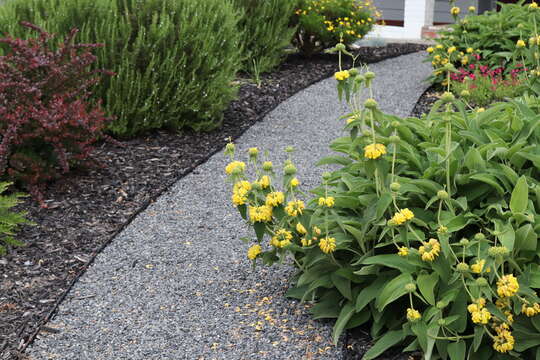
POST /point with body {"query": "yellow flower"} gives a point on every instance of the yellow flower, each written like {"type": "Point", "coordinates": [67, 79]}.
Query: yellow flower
{"type": "Point", "coordinates": [520, 43]}
{"type": "Point", "coordinates": [464, 60]}
{"type": "Point", "coordinates": [502, 303]}
{"type": "Point", "coordinates": [295, 207]}
{"type": "Point", "coordinates": [451, 49]}
{"type": "Point", "coordinates": [402, 216]}
{"type": "Point", "coordinates": [533, 5]}
{"type": "Point", "coordinates": [295, 182]}
{"type": "Point", "coordinates": [403, 251]}
{"type": "Point", "coordinates": [342, 75]}
{"type": "Point", "coordinates": [275, 198]}
{"type": "Point", "coordinates": [479, 110]}
{"type": "Point", "coordinates": [301, 229]}
{"type": "Point", "coordinates": [316, 231]}
{"type": "Point", "coordinates": [240, 191]}
{"type": "Point", "coordinates": [503, 341]}
{"type": "Point", "coordinates": [327, 245]}
{"type": "Point", "coordinates": [260, 213]}
{"type": "Point", "coordinates": [470, 50]}
{"type": "Point", "coordinates": [481, 317]}
{"type": "Point", "coordinates": [407, 213]}
{"type": "Point", "coordinates": [430, 250]}
{"type": "Point", "coordinates": [253, 151]}
{"type": "Point", "coordinates": [281, 239]}
{"type": "Point", "coordinates": [413, 315]}
{"type": "Point", "coordinates": [430, 50]}
{"type": "Point", "coordinates": [530, 311]}
{"type": "Point", "coordinates": [306, 242]}
{"type": "Point", "coordinates": [239, 166]}
{"type": "Point", "coordinates": [472, 9]}
{"type": "Point", "coordinates": [264, 182]}
{"type": "Point", "coordinates": [253, 252]}
{"type": "Point", "coordinates": [507, 286]}
{"type": "Point", "coordinates": [455, 11]}
{"type": "Point", "coordinates": [478, 266]}
{"type": "Point", "coordinates": [326, 201]}
{"type": "Point", "coordinates": [439, 46]}
{"type": "Point", "coordinates": [374, 151]}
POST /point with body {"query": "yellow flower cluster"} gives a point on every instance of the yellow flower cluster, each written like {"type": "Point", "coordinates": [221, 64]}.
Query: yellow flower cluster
{"type": "Point", "coordinates": [260, 213]}
{"type": "Point", "coordinates": [235, 166]}
{"type": "Point", "coordinates": [479, 314]}
{"type": "Point", "coordinates": [533, 5]}
{"type": "Point", "coordinates": [507, 286]}
{"type": "Point", "coordinates": [402, 216]}
{"type": "Point", "coordinates": [534, 40]}
{"type": "Point", "coordinates": [413, 315]}
{"type": "Point", "coordinates": [342, 75]}
{"type": "Point", "coordinates": [451, 49]}
{"type": "Point", "coordinates": [530, 310]}
{"type": "Point", "coordinates": [253, 252]}
{"type": "Point", "coordinates": [403, 251]}
{"type": "Point", "coordinates": [240, 192]}
{"type": "Point", "coordinates": [275, 198]}
{"type": "Point", "coordinates": [478, 266]}
{"type": "Point", "coordinates": [327, 245]}
{"type": "Point", "coordinates": [455, 11]}
{"type": "Point", "coordinates": [282, 238]}
{"type": "Point", "coordinates": [295, 208]}
{"type": "Point", "coordinates": [301, 229]}
{"type": "Point", "coordinates": [374, 151]}
{"type": "Point", "coordinates": [430, 250]}
{"type": "Point", "coordinates": [264, 182]}
{"type": "Point", "coordinates": [328, 201]}
{"type": "Point", "coordinates": [294, 182]}
{"type": "Point", "coordinates": [503, 341]}
{"type": "Point", "coordinates": [520, 43]}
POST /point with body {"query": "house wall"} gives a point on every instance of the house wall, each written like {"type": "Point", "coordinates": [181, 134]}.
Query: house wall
{"type": "Point", "coordinates": [394, 9]}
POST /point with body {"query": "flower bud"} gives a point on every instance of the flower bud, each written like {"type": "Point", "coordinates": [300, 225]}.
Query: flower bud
{"type": "Point", "coordinates": [441, 322]}
{"type": "Point", "coordinates": [394, 124]}
{"type": "Point", "coordinates": [326, 176]}
{"type": "Point", "coordinates": [410, 287]}
{"type": "Point", "coordinates": [442, 195]}
{"type": "Point", "coordinates": [441, 304]}
{"type": "Point", "coordinates": [370, 104]}
{"type": "Point", "coordinates": [366, 133]}
{"type": "Point", "coordinates": [290, 169]}
{"type": "Point", "coordinates": [481, 282]}
{"type": "Point", "coordinates": [267, 166]}
{"type": "Point", "coordinates": [369, 75]}
{"type": "Point", "coordinates": [462, 267]}
{"type": "Point", "coordinates": [353, 72]}
{"type": "Point", "coordinates": [289, 149]}
{"type": "Point", "coordinates": [394, 139]}
{"type": "Point", "coordinates": [464, 242]}
{"type": "Point", "coordinates": [359, 79]}
{"type": "Point", "coordinates": [447, 97]}
{"type": "Point", "coordinates": [229, 148]}
{"type": "Point", "coordinates": [256, 186]}
{"type": "Point", "coordinates": [449, 67]}
{"type": "Point", "coordinates": [341, 47]}
{"type": "Point", "coordinates": [479, 236]}
{"type": "Point", "coordinates": [465, 93]}
{"type": "Point", "coordinates": [395, 186]}
{"type": "Point", "coordinates": [253, 152]}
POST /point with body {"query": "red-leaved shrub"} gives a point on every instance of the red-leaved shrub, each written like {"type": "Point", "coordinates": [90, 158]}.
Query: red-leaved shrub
{"type": "Point", "coordinates": [47, 122]}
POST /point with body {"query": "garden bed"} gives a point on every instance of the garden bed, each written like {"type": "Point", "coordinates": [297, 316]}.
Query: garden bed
{"type": "Point", "coordinates": [89, 207]}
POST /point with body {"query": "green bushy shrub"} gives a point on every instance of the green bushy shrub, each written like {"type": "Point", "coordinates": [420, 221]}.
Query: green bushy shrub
{"type": "Point", "coordinates": [323, 23]}
{"type": "Point", "coordinates": [9, 221]}
{"type": "Point", "coordinates": [426, 231]}
{"type": "Point", "coordinates": [266, 30]}
{"type": "Point", "coordinates": [174, 59]}
{"type": "Point", "coordinates": [506, 39]}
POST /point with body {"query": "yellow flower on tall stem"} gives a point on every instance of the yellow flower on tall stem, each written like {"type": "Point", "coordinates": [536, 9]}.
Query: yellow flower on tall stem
{"type": "Point", "coordinates": [374, 151]}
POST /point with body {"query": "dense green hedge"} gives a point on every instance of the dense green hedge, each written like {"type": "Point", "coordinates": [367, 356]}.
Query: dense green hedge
{"type": "Point", "coordinates": [174, 59]}
{"type": "Point", "coordinates": [266, 30]}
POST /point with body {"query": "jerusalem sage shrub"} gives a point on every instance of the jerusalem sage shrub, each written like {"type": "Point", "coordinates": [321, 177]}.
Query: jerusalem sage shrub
{"type": "Point", "coordinates": [266, 31]}
{"type": "Point", "coordinates": [175, 60]}
{"type": "Point", "coordinates": [426, 232]}
{"type": "Point", "coordinates": [47, 122]}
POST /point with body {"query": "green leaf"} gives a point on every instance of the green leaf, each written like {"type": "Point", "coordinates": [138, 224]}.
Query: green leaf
{"type": "Point", "coordinates": [392, 260]}
{"type": "Point", "coordinates": [426, 285]}
{"type": "Point", "coordinates": [393, 290]}
{"type": "Point", "coordinates": [343, 285]}
{"type": "Point", "coordinates": [478, 335]}
{"type": "Point", "coordinates": [520, 196]}
{"type": "Point", "coordinates": [260, 228]}
{"type": "Point", "coordinates": [456, 350]}
{"type": "Point", "coordinates": [382, 204]}
{"type": "Point", "coordinates": [346, 312]}
{"type": "Point", "coordinates": [388, 340]}
{"type": "Point", "coordinates": [526, 238]}
{"type": "Point", "coordinates": [369, 293]}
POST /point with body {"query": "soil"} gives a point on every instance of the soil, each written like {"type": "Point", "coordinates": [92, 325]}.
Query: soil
{"type": "Point", "coordinates": [88, 207]}
{"type": "Point", "coordinates": [425, 102]}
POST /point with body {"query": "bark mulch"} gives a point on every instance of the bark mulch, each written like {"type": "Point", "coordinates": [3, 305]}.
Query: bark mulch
{"type": "Point", "coordinates": [87, 208]}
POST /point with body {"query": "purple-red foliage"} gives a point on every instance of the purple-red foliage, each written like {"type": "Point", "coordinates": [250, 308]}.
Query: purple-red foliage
{"type": "Point", "coordinates": [47, 121]}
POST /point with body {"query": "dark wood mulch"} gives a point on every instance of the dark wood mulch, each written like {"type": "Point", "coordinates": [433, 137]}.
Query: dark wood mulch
{"type": "Point", "coordinates": [87, 208]}
{"type": "Point", "coordinates": [424, 104]}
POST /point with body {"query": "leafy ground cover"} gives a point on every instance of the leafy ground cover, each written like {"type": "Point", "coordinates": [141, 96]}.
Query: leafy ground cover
{"type": "Point", "coordinates": [88, 207]}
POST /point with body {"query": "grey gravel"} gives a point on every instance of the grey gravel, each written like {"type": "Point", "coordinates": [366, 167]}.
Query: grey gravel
{"type": "Point", "coordinates": [176, 283]}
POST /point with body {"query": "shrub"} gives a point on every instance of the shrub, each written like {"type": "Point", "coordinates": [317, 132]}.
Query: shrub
{"type": "Point", "coordinates": [427, 229]}
{"type": "Point", "coordinates": [46, 120]}
{"type": "Point", "coordinates": [266, 30]}
{"type": "Point", "coordinates": [9, 221]}
{"type": "Point", "coordinates": [493, 39]}
{"type": "Point", "coordinates": [323, 23]}
{"type": "Point", "coordinates": [174, 59]}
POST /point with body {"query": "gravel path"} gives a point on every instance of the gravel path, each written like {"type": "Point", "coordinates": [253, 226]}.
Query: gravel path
{"type": "Point", "coordinates": [176, 283]}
